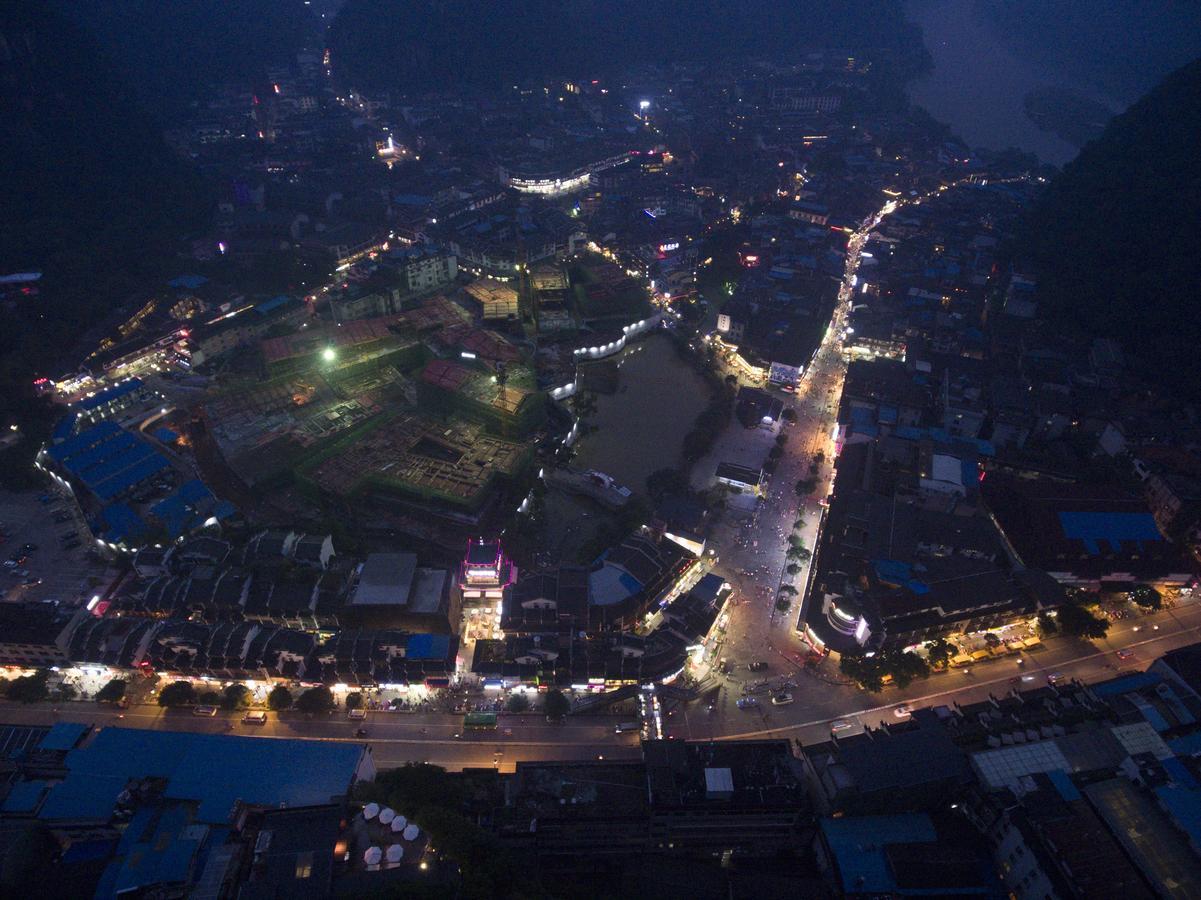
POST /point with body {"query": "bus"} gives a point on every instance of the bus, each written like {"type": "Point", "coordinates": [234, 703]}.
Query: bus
{"type": "Point", "coordinates": [479, 721]}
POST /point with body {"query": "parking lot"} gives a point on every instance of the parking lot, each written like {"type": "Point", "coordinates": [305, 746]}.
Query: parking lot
{"type": "Point", "coordinates": [54, 573]}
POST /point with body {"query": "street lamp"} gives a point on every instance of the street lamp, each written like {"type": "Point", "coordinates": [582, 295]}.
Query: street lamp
{"type": "Point", "coordinates": [329, 354]}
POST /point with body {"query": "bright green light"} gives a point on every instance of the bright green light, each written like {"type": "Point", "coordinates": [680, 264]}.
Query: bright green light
{"type": "Point", "coordinates": [329, 354]}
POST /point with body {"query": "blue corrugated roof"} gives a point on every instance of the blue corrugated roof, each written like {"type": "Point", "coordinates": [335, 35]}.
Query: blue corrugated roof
{"type": "Point", "coordinates": [1189, 745]}
{"type": "Point", "coordinates": [124, 525]}
{"type": "Point", "coordinates": [1135, 681]}
{"type": "Point", "coordinates": [1091, 528]}
{"type": "Point", "coordinates": [427, 646]}
{"type": "Point", "coordinates": [63, 736]}
{"type": "Point", "coordinates": [24, 797]}
{"type": "Point", "coordinates": [84, 440]}
{"type": "Point", "coordinates": [166, 435]}
{"type": "Point", "coordinates": [108, 395]}
{"type": "Point", "coordinates": [65, 427]}
{"type": "Point", "coordinates": [859, 844]}
{"type": "Point", "coordinates": [136, 474]}
{"type": "Point", "coordinates": [213, 769]}
{"type": "Point", "coordinates": [269, 306]}
{"type": "Point", "coordinates": [1063, 784]}
{"type": "Point", "coordinates": [1183, 804]}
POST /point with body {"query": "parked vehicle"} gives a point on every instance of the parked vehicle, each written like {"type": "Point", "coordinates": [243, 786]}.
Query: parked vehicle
{"type": "Point", "coordinates": [624, 727]}
{"type": "Point", "coordinates": [747, 703]}
{"type": "Point", "coordinates": [903, 712]}
{"type": "Point", "coordinates": [782, 699]}
{"type": "Point", "coordinates": [208, 711]}
{"type": "Point", "coordinates": [1125, 653]}
{"type": "Point", "coordinates": [841, 725]}
{"type": "Point", "coordinates": [356, 714]}
{"type": "Point", "coordinates": [254, 718]}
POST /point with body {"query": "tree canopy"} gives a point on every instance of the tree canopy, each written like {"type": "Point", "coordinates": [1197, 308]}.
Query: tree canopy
{"type": "Point", "coordinates": [1112, 238]}
{"type": "Point", "coordinates": [177, 693]}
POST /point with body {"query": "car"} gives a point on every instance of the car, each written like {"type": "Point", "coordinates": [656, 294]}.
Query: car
{"type": "Point", "coordinates": [782, 699]}
{"type": "Point", "coordinates": [1125, 653]}
{"type": "Point", "coordinates": [758, 666]}
{"type": "Point", "coordinates": [747, 703]}
{"type": "Point", "coordinates": [841, 725]}
{"type": "Point", "coordinates": [356, 714]}
{"type": "Point", "coordinates": [11, 564]}
{"type": "Point", "coordinates": [208, 711]}
{"type": "Point", "coordinates": [903, 711]}
{"type": "Point", "coordinates": [254, 718]}
{"type": "Point", "coordinates": [1054, 677]}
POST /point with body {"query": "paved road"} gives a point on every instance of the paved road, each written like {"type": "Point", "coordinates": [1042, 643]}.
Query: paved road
{"type": "Point", "coordinates": [395, 738]}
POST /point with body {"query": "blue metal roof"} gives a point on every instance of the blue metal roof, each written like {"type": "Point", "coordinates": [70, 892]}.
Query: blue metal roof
{"type": "Point", "coordinates": [124, 525]}
{"type": "Point", "coordinates": [427, 646]}
{"type": "Point", "coordinates": [1091, 528]}
{"type": "Point", "coordinates": [120, 483]}
{"type": "Point", "coordinates": [1063, 784]}
{"type": "Point", "coordinates": [108, 395]}
{"type": "Point", "coordinates": [24, 797]}
{"type": "Point", "coordinates": [215, 770]}
{"type": "Point", "coordinates": [63, 736]}
{"type": "Point", "coordinates": [858, 844]}
{"type": "Point", "coordinates": [65, 427]}
{"type": "Point", "coordinates": [83, 441]}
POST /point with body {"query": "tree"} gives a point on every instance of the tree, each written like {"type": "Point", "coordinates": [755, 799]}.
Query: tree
{"type": "Point", "coordinates": [788, 589]}
{"type": "Point", "coordinates": [557, 705]}
{"type": "Point", "coordinates": [801, 554]}
{"type": "Point", "coordinates": [664, 482]}
{"type": "Point", "coordinates": [65, 692]}
{"type": "Point", "coordinates": [279, 699]}
{"type": "Point", "coordinates": [519, 703]}
{"type": "Point", "coordinates": [113, 692]}
{"type": "Point", "coordinates": [315, 700]}
{"type": "Point", "coordinates": [177, 693]}
{"type": "Point", "coordinates": [1147, 597]}
{"type": "Point", "coordinates": [792, 568]}
{"type": "Point", "coordinates": [789, 414]}
{"type": "Point", "coordinates": [235, 696]}
{"type": "Point", "coordinates": [939, 652]}
{"type": "Point", "coordinates": [30, 688]}
{"type": "Point", "coordinates": [354, 700]}
{"type": "Point", "coordinates": [783, 604]}
{"type": "Point", "coordinates": [1046, 625]}
{"type": "Point", "coordinates": [1076, 621]}
{"type": "Point", "coordinates": [210, 698]}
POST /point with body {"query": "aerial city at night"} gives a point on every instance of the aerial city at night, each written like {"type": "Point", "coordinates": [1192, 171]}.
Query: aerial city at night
{"type": "Point", "coordinates": [592, 449]}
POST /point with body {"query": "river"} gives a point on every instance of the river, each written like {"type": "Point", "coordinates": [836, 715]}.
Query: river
{"type": "Point", "coordinates": [640, 428]}
{"type": "Point", "coordinates": [977, 85]}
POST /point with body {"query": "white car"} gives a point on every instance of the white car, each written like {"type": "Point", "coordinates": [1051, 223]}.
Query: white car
{"type": "Point", "coordinates": [841, 725]}
{"type": "Point", "coordinates": [782, 699]}
{"type": "Point", "coordinates": [903, 712]}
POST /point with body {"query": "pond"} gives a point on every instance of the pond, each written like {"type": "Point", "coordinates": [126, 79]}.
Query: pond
{"type": "Point", "coordinates": [640, 428]}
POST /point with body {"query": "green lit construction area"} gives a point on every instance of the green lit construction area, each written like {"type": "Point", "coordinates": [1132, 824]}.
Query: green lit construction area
{"type": "Point", "coordinates": [508, 404]}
